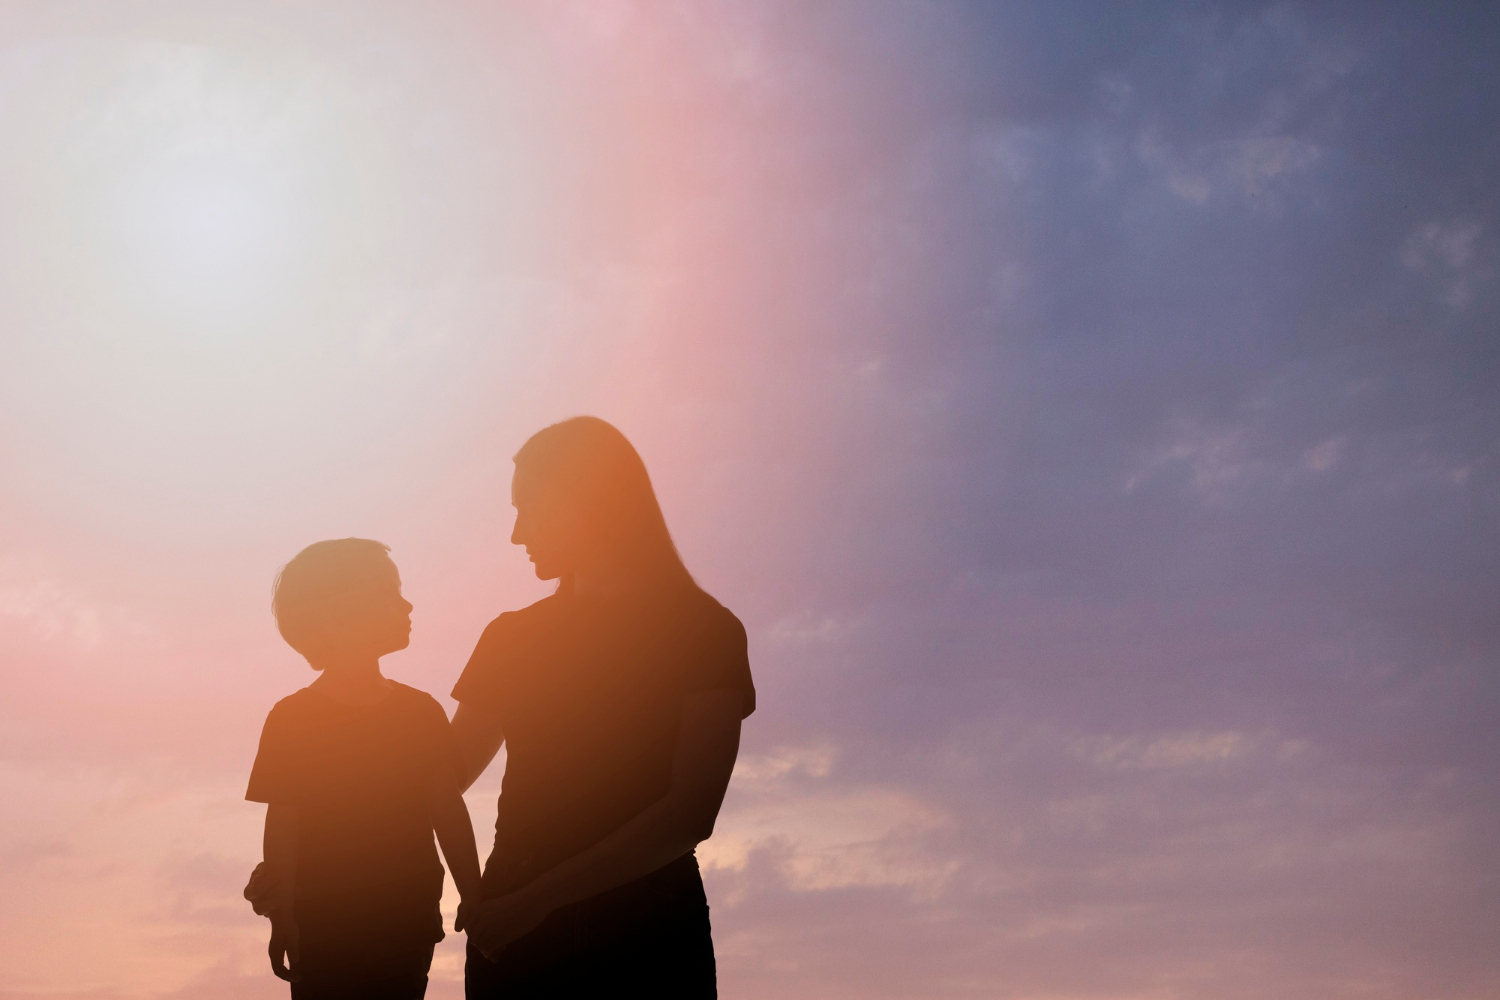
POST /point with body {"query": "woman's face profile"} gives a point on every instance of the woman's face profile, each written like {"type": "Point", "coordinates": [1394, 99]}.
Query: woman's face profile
{"type": "Point", "coordinates": [550, 524]}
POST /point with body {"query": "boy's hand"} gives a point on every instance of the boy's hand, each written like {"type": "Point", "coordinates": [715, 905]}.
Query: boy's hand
{"type": "Point", "coordinates": [262, 890]}
{"type": "Point", "coordinates": [284, 942]}
{"type": "Point", "coordinates": [465, 916]}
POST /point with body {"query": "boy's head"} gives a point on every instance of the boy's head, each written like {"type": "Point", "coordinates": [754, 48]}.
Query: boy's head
{"type": "Point", "coordinates": [341, 598]}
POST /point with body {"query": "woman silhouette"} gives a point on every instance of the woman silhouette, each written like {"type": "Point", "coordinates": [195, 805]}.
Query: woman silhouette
{"type": "Point", "coordinates": [619, 699]}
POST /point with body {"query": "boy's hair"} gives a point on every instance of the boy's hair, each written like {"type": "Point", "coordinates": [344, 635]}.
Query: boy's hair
{"type": "Point", "coordinates": [319, 572]}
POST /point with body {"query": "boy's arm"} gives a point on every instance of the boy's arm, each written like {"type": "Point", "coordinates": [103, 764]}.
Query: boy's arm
{"type": "Point", "coordinates": [455, 834]}
{"type": "Point", "coordinates": [279, 846]}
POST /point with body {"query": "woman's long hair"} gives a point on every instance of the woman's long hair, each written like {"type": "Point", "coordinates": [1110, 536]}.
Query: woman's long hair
{"type": "Point", "coordinates": [590, 459]}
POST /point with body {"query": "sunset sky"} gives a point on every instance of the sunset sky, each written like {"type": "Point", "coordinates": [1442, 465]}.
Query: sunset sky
{"type": "Point", "coordinates": [1092, 411]}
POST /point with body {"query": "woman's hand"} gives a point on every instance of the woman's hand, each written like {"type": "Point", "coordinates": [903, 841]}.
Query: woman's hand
{"type": "Point", "coordinates": [495, 923]}
{"type": "Point", "coordinates": [284, 944]}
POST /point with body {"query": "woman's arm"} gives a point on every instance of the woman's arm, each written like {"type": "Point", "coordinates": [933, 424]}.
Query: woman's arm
{"type": "Point", "coordinates": [479, 736]}
{"type": "Point", "coordinates": [279, 846]}
{"type": "Point", "coordinates": [707, 743]}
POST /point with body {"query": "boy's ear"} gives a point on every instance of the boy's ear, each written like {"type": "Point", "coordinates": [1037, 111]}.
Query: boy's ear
{"type": "Point", "coordinates": [308, 639]}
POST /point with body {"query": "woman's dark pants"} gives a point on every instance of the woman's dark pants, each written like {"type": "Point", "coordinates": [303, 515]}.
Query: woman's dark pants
{"type": "Point", "coordinates": [648, 938]}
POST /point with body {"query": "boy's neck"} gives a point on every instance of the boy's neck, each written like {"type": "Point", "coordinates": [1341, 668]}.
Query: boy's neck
{"type": "Point", "coordinates": [351, 682]}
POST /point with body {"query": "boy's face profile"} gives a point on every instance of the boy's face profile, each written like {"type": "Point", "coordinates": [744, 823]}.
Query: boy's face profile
{"type": "Point", "coordinates": [366, 618]}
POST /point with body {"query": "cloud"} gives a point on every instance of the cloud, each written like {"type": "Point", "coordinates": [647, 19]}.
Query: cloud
{"type": "Point", "coordinates": [57, 612]}
{"type": "Point", "coordinates": [1183, 750]}
{"type": "Point", "coordinates": [825, 834]}
{"type": "Point", "coordinates": [1447, 250]}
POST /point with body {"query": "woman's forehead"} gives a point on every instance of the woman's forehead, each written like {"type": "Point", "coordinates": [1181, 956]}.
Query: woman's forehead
{"type": "Point", "coordinates": [526, 485]}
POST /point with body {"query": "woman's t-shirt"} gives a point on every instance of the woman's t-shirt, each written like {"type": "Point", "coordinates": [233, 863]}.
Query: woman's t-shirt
{"type": "Point", "coordinates": [589, 693]}
{"type": "Point", "coordinates": [361, 778]}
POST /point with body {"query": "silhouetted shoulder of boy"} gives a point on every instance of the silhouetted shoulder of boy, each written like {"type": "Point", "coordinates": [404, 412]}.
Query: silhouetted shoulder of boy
{"type": "Point", "coordinates": [300, 716]}
{"type": "Point", "coordinates": [305, 745]}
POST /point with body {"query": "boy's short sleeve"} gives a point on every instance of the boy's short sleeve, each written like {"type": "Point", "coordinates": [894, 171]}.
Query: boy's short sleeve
{"type": "Point", "coordinates": [720, 660]}
{"type": "Point", "coordinates": [479, 684]}
{"type": "Point", "coordinates": [438, 735]}
{"type": "Point", "coordinates": [274, 773]}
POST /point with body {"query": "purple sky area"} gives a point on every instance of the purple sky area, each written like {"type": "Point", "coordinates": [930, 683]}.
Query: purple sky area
{"type": "Point", "coordinates": [1164, 558]}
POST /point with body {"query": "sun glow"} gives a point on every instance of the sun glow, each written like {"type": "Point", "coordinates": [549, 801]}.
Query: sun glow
{"type": "Point", "coordinates": [205, 235]}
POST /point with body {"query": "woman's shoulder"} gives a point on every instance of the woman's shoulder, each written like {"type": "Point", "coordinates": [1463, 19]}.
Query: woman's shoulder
{"type": "Point", "coordinates": [523, 622]}
{"type": "Point", "coordinates": [509, 640]}
{"type": "Point", "coordinates": [709, 617]}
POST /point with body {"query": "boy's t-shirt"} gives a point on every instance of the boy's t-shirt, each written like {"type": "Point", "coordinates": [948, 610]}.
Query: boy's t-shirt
{"type": "Point", "coordinates": [361, 778]}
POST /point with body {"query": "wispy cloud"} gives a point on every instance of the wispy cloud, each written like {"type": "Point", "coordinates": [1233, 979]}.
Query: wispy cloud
{"type": "Point", "coordinates": [56, 611]}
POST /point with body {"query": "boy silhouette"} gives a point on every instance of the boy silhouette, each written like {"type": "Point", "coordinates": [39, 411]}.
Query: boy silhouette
{"type": "Point", "coordinates": [357, 773]}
